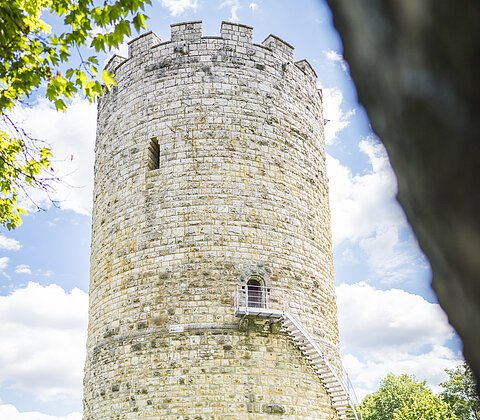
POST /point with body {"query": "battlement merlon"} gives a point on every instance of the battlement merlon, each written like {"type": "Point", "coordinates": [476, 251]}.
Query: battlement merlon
{"type": "Point", "coordinates": [186, 31]}
{"type": "Point", "coordinates": [142, 44]}
{"type": "Point", "coordinates": [279, 46]}
{"type": "Point", "coordinates": [113, 63]}
{"type": "Point", "coordinates": [236, 32]}
{"type": "Point", "coordinates": [306, 68]}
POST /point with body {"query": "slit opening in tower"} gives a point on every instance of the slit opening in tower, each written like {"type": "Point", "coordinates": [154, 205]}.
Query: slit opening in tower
{"type": "Point", "coordinates": [153, 154]}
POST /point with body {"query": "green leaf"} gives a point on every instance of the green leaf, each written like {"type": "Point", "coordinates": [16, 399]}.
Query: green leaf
{"type": "Point", "coordinates": [60, 105]}
{"type": "Point", "coordinates": [33, 55]}
{"type": "Point", "coordinates": [139, 22]}
{"type": "Point", "coordinates": [108, 79]}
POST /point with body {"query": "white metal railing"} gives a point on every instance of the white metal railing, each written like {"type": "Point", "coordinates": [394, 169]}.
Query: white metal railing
{"type": "Point", "coordinates": [254, 299]}
{"type": "Point", "coordinates": [351, 392]}
{"type": "Point", "coordinates": [342, 378]}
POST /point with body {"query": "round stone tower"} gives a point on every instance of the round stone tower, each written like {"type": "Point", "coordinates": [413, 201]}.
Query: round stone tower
{"type": "Point", "coordinates": [212, 293]}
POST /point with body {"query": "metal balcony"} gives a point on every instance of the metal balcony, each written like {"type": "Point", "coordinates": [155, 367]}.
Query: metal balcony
{"type": "Point", "coordinates": [261, 301]}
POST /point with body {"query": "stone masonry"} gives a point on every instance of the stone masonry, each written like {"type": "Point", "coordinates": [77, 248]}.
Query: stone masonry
{"type": "Point", "coordinates": [210, 169]}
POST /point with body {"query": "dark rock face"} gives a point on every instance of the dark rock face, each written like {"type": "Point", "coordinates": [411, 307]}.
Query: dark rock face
{"type": "Point", "coordinates": [416, 66]}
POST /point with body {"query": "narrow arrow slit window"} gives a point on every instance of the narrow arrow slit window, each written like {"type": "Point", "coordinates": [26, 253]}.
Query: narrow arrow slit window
{"type": "Point", "coordinates": [153, 154]}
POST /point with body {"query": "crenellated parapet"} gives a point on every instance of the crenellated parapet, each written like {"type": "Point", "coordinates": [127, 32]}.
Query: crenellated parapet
{"type": "Point", "coordinates": [235, 42]}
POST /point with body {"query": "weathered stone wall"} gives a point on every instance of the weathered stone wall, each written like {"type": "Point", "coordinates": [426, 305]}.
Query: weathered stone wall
{"type": "Point", "coordinates": [241, 190]}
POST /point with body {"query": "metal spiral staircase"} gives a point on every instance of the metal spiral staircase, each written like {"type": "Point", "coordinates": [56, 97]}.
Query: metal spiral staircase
{"type": "Point", "coordinates": [269, 303]}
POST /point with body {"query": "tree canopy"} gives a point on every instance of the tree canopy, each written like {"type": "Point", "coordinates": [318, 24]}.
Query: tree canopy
{"type": "Point", "coordinates": [459, 391]}
{"type": "Point", "coordinates": [404, 398]}
{"type": "Point", "coordinates": [35, 57]}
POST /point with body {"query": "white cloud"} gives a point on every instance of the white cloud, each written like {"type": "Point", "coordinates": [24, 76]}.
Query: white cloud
{"type": "Point", "coordinates": [10, 412]}
{"type": "Point", "coordinates": [234, 6]}
{"type": "Point", "coordinates": [391, 320]}
{"type": "Point", "coordinates": [336, 118]}
{"type": "Point", "coordinates": [365, 203]}
{"type": "Point", "coordinates": [177, 7]}
{"type": "Point", "coordinates": [46, 273]}
{"type": "Point", "coordinates": [9, 244]}
{"type": "Point", "coordinates": [392, 331]}
{"type": "Point", "coordinates": [71, 135]}
{"type": "Point", "coordinates": [23, 269]}
{"type": "Point", "coordinates": [253, 6]}
{"type": "Point", "coordinates": [429, 366]}
{"type": "Point", "coordinates": [4, 263]}
{"type": "Point", "coordinates": [336, 57]}
{"type": "Point", "coordinates": [391, 259]}
{"type": "Point", "coordinates": [42, 350]}
{"type": "Point", "coordinates": [365, 213]}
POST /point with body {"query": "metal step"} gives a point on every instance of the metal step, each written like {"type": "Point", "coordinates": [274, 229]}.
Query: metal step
{"type": "Point", "coordinates": [334, 394]}
{"type": "Point", "coordinates": [309, 348]}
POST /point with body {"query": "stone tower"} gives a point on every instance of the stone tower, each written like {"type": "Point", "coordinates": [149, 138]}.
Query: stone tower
{"type": "Point", "coordinates": [212, 293]}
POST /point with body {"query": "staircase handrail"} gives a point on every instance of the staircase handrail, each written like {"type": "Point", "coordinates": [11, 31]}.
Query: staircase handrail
{"type": "Point", "coordinates": [345, 386]}
{"type": "Point", "coordinates": [241, 300]}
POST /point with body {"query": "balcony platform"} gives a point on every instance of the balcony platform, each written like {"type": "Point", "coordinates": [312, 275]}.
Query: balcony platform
{"type": "Point", "coordinates": [261, 312]}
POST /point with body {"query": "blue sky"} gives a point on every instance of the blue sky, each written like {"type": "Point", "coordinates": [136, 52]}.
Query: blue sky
{"type": "Point", "coordinates": [388, 315]}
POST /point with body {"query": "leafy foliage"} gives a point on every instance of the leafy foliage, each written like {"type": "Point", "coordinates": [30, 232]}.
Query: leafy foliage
{"type": "Point", "coordinates": [404, 398]}
{"type": "Point", "coordinates": [424, 405]}
{"type": "Point", "coordinates": [459, 391]}
{"type": "Point", "coordinates": [18, 169]}
{"type": "Point", "coordinates": [33, 56]}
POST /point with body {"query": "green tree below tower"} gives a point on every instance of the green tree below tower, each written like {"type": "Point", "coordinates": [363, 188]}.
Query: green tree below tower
{"type": "Point", "coordinates": [403, 397]}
